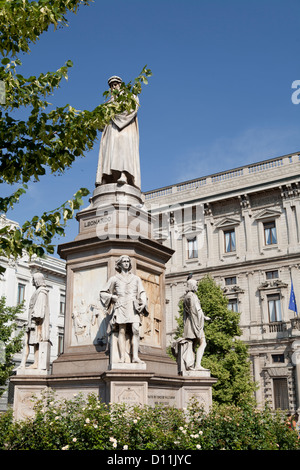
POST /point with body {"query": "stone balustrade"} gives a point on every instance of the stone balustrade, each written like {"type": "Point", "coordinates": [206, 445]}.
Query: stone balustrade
{"type": "Point", "coordinates": [235, 174]}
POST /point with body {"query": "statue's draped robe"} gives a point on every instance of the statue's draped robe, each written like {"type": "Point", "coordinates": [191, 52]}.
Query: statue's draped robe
{"type": "Point", "coordinates": [130, 292]}
{"type": "Point", "coordinates": [119, 148]}
{"type": "Point", "coordinates": [38, 316]}
{"type": "Point", "coordinates": [193, 318]}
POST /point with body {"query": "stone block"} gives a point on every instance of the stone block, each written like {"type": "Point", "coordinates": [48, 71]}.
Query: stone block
{"type": "Point", "coordinates": [131, 393]}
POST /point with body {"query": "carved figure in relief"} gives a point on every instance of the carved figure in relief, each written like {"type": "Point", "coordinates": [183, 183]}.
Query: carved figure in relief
{"type": "Point", "coordinates": [151, 324]}
{"type": "Point", "coordinates": [80, 321]}
{"type": "Point", "coordinates": [38, 326]}
{"type": "Point", "coordinates": [87, 324]}
{"type": "Point", "coordinates": [125, 295]}
{"type": "Point", "coordinates": [119, 160]}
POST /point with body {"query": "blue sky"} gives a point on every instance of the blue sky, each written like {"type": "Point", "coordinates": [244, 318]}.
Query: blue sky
{"type": "Point", "coordinates": [219, 98]}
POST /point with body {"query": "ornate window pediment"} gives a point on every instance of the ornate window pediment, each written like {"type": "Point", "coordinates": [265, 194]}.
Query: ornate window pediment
{"type": "Point", "coordinates": [272, 284]}
{"type": "Point", "coordinates": [228, 222]}
{"type": "Point", "coordinates": [270, 287]}
{"type": "Point", "coordinates": [267, 214]}
{"type": "Point", "coordinates": [233, 290]}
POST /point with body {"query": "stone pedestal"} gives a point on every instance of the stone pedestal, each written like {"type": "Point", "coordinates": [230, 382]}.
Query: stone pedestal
{"type": "Point", "coordinates": [115, 212]}
{"type": "Point", "coordinates": [90, 262]}
{"type": "Point", "coordinates": [43, 362]}
{"type": "Point", "coordinates": [44, 355]}
{"type": "Point", "coordinates": [115, 386]}
{"type": "Point", "coordinates": [201, 373]}
{"type": "Point", "coordinates": [114, 224]}
{"type": "Point", "coordinates": [184, 347]}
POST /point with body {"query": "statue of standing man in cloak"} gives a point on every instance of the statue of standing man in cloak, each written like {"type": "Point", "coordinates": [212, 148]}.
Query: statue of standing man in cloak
{"type": "Point", "coordinates": [190, 348]}
{"type": "Point", "coordinates": [124, 292]}
{"type": "Point", "coordinates": [38, 326]}
{"type": "Point", "coordinates": [119, 160]}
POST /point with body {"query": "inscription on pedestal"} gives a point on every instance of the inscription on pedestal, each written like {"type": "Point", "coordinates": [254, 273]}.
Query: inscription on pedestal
{"type": "Point", "coordinates": [133, 393]}
{"type": "Point", "coordinates": [99, 220]}
{"type": "Point", "coordinates": [162, 397]}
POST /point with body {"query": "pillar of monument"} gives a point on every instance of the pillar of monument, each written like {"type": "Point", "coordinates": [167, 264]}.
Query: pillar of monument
{"type": "Point", "coordinates": [114, 224]}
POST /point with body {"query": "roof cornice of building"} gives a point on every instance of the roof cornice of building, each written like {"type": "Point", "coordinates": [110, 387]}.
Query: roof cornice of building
{"type": "Point", "coordinates": [247, 178]}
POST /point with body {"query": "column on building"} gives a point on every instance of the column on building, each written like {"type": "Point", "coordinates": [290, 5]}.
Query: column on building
{"type": "Point", "coordinates": [253, 311]}
{"type": "Point", "coordinates": [290, 202]}
{"type": "Point", "coordinates": [296, 363]}
{"type": "Point", "coordinates": [209, 227]}
{"type": "Point", "coordinates": [247, 214]}
{"type": "Point", "coordinates": [257, 378]}
{"type": "Point", "coordinates": [297, 214]}
{"type": "Point", "coordinates": [291, 224]}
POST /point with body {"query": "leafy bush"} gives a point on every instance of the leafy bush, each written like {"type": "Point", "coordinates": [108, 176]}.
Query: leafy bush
{"type": "Point", "coordinates": [86, 424]}
{"type": "Point", "coordinates": [231, 427]}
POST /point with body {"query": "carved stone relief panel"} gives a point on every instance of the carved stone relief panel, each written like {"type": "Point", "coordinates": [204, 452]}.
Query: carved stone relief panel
{"type": "Point", "coordinates": [89, 320]}
{"type": "Point", "coordinates": [25, 398]}
{"type": "Point", "coordinates": [132, 393]}
{"type": "Point", "coordinates": [151, 324]}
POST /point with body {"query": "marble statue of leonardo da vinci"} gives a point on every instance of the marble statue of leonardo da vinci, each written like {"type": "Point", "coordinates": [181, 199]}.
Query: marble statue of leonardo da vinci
{"type": "Point", "coordinates": [119, 160]}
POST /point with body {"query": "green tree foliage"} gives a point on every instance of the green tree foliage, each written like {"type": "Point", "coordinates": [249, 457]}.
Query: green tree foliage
{"type": "Point", "coordinates": [10, 340]}
{"type": "Point", "coordinates": [49, 139]}
{"type": "Point", "coordinates": [226, 355]}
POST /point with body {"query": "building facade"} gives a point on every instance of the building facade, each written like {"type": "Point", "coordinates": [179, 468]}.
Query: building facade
{"type": "Point", "coordinates": [242, 227]}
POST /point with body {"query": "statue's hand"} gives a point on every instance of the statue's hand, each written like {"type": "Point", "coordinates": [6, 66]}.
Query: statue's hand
{"type": "Point", "coordinates": [207, 318]}
{"type": "Point", "coordinates": [140, 308]}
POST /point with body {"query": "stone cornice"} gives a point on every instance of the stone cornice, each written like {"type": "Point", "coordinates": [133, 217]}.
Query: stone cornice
{"type": "Point", "coordinates": [277, 172]}
{"type": "Point", "coordinates": [258, 264]}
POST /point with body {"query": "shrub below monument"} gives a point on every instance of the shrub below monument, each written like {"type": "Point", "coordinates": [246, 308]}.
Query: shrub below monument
{"type": "Point", "coordinates": [80, 424]}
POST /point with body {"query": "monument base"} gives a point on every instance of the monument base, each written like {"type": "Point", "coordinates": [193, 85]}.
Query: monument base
{"type": "Point", "coordinates": [125, 366]}
{"type": "Point", "coordinates": [31, 371]}
{"type": "Point", "coordinates": [43, 367]}
{"type": "Point", "coordinates": [196, 373]}
{"type": "Point", "coordinates": [115, 386]}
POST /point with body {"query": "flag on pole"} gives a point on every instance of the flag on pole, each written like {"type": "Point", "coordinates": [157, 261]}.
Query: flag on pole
{"type": "Point", "coordinates": [292, 304]}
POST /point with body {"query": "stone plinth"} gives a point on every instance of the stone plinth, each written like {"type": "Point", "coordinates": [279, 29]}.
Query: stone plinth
{"type": "Point", "coordinates": [196, 373]}
{"type": "Point", "coordinates": [43, 362]}
{"type": "Point", "coordinates": [114, 224]}
{"type": "Point", "coordinates": [118, 386]}
{"type": "Point", "coordinates": [114, 193]}
{"type": "Point", "coordinates": [115, 212]}
{"type": "Point", "coordinates": [89, 264]}
{"type": "Point", "coordinates": [127, 366]}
